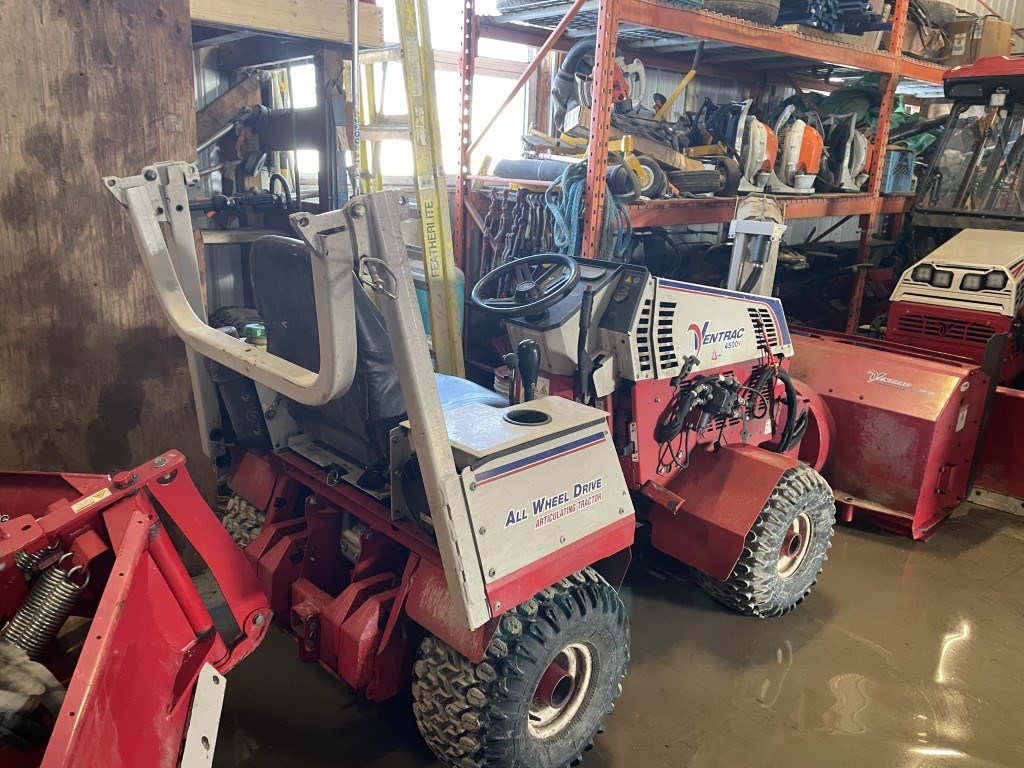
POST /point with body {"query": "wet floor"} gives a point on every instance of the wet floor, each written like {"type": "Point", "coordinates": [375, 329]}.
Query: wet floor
{"type": "Point", "coordinates": [906, 654]}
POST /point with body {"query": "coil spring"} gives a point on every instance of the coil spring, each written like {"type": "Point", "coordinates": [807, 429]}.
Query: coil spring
{"type": "Point", "coordinates": [48, 606]}
{"type": "Point", "coordinates": [27, 563]}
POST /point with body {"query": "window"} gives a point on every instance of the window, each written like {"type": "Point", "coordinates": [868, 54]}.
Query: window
{"type": "Point", "coordinates": [499, 65]}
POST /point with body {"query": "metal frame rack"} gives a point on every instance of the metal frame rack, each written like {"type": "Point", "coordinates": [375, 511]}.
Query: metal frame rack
{"type": "Point", "coordinates": [657, 26]}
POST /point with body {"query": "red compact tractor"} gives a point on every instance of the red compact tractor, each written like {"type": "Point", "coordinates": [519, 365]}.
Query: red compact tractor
{"type": "Point", "coordinates": [970, 288]}
{"type": "Point", "coordinates": [405, 524]}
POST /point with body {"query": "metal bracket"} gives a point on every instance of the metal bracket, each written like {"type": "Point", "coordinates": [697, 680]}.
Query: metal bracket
{"type": "Point", "coordinates": [155, 197]}
{"type": "Point", "coordinates": [204, 719]}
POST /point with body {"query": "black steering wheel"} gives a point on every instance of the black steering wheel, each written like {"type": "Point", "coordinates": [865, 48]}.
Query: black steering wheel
{"type": "Point", "coordinates": [535, 283]}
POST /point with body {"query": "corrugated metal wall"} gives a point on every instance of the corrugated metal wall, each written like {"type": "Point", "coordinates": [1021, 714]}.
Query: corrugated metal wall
{"type": "Point", "coordinates": [1011, 10]}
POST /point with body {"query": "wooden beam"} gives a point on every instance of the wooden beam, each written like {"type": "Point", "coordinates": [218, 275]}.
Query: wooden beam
{"type": "Point", "coordinates": [223, 109]}
{"type": "Point", "coordinates": [207, 37]}
{"type": "Point", "coordinates": [319, 19]}
{"type": "Point", "coordinates": [93, 377]}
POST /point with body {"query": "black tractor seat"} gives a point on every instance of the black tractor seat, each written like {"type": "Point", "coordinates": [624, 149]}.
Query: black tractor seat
{"type": "Point", "coordinates": [359, 422]}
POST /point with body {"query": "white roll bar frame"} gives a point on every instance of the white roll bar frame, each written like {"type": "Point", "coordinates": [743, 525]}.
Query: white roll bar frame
{"type": "Point", "coordinates": [146, 197]}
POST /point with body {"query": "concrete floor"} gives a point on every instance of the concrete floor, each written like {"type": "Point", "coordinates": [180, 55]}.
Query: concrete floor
{"type": "Point", "coordinates": [904, 655]}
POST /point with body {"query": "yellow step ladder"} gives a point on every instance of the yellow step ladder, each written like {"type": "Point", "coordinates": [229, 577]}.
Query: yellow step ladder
{"type": "Point", "coordinates": [421, 128]}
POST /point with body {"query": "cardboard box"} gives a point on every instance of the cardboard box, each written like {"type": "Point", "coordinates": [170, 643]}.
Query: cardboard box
{"type": "Point", "coordinates": [975, 39]}
{"type": "Point", "coordinates": [927, 44]}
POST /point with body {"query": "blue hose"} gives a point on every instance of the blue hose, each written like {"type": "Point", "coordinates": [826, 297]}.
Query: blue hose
{"type": "Point", "coordinates": [567, 206]}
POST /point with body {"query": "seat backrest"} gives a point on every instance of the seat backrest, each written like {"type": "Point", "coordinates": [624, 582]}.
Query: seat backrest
{"type": "Point", "coordinates": [359, 422]}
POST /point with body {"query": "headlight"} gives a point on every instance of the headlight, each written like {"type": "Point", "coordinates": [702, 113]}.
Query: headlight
{"type": "Point", "coordinates": [923, 273]}
{"type": "Point", "coordinates": [995, 281]}
{"type": "Point", "coordinates": [971, 283]}
{"type": "Point", "coordinates": [942, 279]}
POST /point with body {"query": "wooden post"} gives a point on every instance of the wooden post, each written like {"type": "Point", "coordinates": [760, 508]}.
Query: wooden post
{"type": "Point", "coordinates": [91, 376]}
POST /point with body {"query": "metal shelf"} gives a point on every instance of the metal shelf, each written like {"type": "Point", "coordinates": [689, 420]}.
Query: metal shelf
{"type": "Point", "coordinates": [661, 28]}
{"type": "Point", "coordinates": [720, 210]}
{"type": "Point", "coordinates": [658, 30]}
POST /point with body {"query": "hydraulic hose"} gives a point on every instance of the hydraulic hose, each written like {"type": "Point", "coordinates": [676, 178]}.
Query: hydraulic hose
{"type": "Point", "coordinates": [751, 281]}
{"type": "Point", "coordinates": [284, 188]}
{"type": "Point", "coordinates": [796, 424]}
{"type": "Point", "coordinates": [563, 84]}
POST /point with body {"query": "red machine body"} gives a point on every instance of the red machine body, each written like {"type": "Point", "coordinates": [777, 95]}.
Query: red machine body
{"type": "Point", "coordinates": [702, 514]}
{"type": "Point", "coordinates": [906, 427]}
{"type": "Point", "coordinates": [360, 610]}
{"type": "Point", "coordinates": [148, 632]}
{"type": "Point", "coordinates": [998, 479]}
{"type": "Point", "coordinates": [954, 331]}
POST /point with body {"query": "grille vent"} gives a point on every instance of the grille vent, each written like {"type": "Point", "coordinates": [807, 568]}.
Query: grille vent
{"type": "Point", "coordinates": [945, 328]}
{"type": "Point", "coordinates": [764, 328]}
{"type": "Point", "coordinates": [664, 340]}
{"type": "Point", "coordinates": [643, 338]}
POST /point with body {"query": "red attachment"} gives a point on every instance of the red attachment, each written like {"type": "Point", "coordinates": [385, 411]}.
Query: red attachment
{"type": "Point", "coordinates": [816, 446]}
{"type": "Point", "coordinates": [906, 425]}
{"type": "Point", "coordinates": [953, 331]}
{"type": "Point", "coordinates": [724, 492]}
{"type": "Point", "coordinates": [149, 624]}
{"type": "Point", "coordinates": [1002, 452]}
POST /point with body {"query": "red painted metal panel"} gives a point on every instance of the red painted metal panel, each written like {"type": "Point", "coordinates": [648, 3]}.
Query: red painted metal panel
{"type": "Point", "coordinates": [1002, 454]}
{"type": "Point", "coordinates": [519, 586]}
{"type": "Point", "coordinates": [27, 491]}
{"type": "Point", "coordinates": [906, 427]}
{"type": "Point", "coordinates": [953, 331]}
{"type": "Point", "coordinates": [724, 493]}
{"type": "Point", "coordinates": [127, 670]}
{"type": "Point", "coordinates": [429, 604]}
{"type": "Point", "coordinates": [254, 480]}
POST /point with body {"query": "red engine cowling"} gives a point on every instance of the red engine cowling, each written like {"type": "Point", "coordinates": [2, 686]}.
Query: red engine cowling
{"type": "Point", "coordinates": [952, 331]}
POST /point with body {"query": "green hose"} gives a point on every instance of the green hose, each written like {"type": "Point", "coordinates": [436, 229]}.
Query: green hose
{"type": "Point", "coordinates": [567, 207]}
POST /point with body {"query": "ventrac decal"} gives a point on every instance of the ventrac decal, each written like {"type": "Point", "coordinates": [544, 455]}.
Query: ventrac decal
{"type": "Point", "coordinates": [548, 509]}
{"type": "Point", "coordinates": [703, 335]}
{"type": "Point", "coordinates": [881, 377]}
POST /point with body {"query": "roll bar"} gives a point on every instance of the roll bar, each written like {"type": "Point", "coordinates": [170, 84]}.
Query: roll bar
{"type": "Point", "coordinates": [158, 196]}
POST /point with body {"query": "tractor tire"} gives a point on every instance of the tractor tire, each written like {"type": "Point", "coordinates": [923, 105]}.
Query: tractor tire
{"type": "Point", "coordinates": [731, 176]}
{"type": "Point", "coordinates": [696, 182]}
{"type": "Point", "coordinates": [759, 11]}
{"type": "Point", "coordinates": [486, 714]}
{"type": "Point", "coordinates": [241, 519]}
{"type": "Point", "coordinates": [939, 12]}
{"type": "Point", "coordinates": [769, 580]}
{"type": "Point", "coordinates": [656, 183]}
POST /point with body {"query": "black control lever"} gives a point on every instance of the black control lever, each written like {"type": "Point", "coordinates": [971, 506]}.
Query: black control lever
{"type": "Point", "coordinates": [529, 367]}
{"type": "Point", "coordinates": [512, 361]}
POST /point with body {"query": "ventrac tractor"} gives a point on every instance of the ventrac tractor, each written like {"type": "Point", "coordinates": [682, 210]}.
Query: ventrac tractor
{"type": "Point", "coordinates": [409, 526]}
{"type": "Point", "coordinates": [969, 220]}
